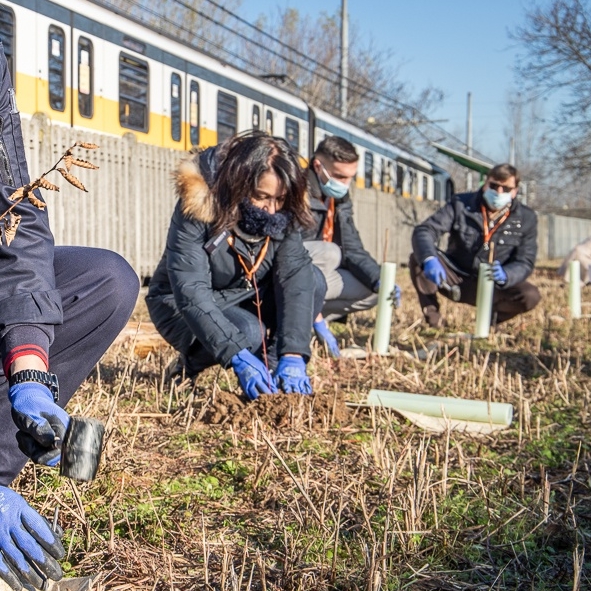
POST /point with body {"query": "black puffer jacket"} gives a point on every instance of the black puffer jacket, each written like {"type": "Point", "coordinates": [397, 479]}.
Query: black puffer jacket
{"type": "Point", "coordinates": [354, 257]}
{"type": "Point", "coordinates": [515, 240]}
{"type": "Point", "coordinates": [197, 279]}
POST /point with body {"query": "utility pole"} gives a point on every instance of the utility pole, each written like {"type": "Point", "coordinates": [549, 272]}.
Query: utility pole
{"type": "Point", "coordinates": [344, 58]}
{"type": "Point", "coordinates": [469, 141]}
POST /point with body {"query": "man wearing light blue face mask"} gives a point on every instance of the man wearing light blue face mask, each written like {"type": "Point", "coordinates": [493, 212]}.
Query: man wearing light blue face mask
{"type": "Point", "coordinates": [352, 274]}
{"type": "Point", "coordinates": [490, 220]}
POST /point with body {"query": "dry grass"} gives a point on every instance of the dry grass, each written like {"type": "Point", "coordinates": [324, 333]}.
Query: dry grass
{"type": "Point", "coordinates": [199, 490]}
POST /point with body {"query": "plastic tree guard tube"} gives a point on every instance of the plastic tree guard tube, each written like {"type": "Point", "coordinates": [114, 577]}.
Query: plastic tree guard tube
{"type": "Point", "coordinates": [484, 299]}
{"type": "Point", "coordinates": [381, 339]}
{"type": "Point", "coordinates": [574, 289]}
{"type": "Point", "coordinates": [481, 411]}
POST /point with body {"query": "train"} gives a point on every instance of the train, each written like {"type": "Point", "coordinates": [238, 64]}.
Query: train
{"type": "Point", "coordinates": [89, 66]}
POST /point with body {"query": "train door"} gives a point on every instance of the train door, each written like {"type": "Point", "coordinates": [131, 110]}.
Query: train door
{"type": "Point", "coordinates": [87, 98]}
{"type": "Point", "coordinates": [54, 68]}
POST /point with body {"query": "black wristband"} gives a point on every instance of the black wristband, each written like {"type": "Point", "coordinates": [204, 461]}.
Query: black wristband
{"type": "Point", "coordinates": [34, 375]}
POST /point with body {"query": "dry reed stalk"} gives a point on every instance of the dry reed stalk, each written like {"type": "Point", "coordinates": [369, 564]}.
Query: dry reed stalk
{"type": "Point", "coordinates": [578, 565]}
{"type": "Point", "coordinates": [295, 480]}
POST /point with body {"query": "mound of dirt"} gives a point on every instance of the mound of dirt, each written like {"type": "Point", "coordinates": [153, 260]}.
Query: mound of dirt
{"type": "Point", "coordinates": [283, 411]}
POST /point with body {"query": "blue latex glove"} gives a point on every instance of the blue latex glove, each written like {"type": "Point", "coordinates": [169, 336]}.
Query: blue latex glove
{"type": "Point", "coordinates": [395, 296]}
{"type": "Point", "coordinates": [41, 421]}
{"type": "Point", "coordinates": [252, 374]}
{"type": "Point", "coordinates": [326, 338]}
{"type": "Point", "coordinates": [434, 271]}
{"type": "Point", "coordinates": [26, 539]}
{"type": "Point", "coordinates": [498, 273]}
{"type": "Point", "coordinates": [291, 376]}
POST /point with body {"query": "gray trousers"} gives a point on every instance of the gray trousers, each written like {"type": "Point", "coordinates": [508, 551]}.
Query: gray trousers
{"type": "Point", "coordinates": [345, 293]}
{"type": "Point", "coordinates": [99, 291]}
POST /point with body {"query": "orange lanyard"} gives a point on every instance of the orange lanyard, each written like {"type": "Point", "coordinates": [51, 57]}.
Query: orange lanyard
{"type": "Point", "coordinates": [328, 229]}
{"type": "Point", "coordinates": [488, 232]}
{"type": "Point", "coordinates": [255, 264]}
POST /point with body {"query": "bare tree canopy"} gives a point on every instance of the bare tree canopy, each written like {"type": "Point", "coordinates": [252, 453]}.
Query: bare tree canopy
{"type": "Point", "coordinates": [306, 61]}
{"type": "Point", "coordinates": [557, 50]}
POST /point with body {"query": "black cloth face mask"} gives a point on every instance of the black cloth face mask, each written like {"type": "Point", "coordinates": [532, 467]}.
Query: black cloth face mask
{"type": "Point", "coordinates": [258, 222]}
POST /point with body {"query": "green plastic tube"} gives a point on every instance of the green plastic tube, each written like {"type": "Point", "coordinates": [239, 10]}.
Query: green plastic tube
{"type": "Point", "coordinates": [574, 289]}
{"type": "Point", "coordinates": [484, 299]}
{"type": "Point", "coordinates": [497, 413]}
{"type": "Point", "coordinates": [381, 339]}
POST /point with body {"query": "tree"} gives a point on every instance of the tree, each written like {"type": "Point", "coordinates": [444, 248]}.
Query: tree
{"type": "Point", "coordinates": [557, 51]}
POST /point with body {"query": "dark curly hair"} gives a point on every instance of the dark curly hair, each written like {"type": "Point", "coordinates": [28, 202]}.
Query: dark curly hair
{"type": "Point", "coordinates": [243, 160]}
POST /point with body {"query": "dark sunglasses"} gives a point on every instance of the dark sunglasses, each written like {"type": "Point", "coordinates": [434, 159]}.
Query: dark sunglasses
{"type": "Point", "coordinates": [496, 186]}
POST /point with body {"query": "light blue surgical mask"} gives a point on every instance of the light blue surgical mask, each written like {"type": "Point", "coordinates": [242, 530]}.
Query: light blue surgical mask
{"type": "Point", "coordinates": [332, 187]}
{"type": "Point", "coordinates": [496, 200]}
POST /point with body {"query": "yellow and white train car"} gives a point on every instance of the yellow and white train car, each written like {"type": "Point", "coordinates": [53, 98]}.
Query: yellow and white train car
{"type": "Point", "coordinates": [85, 66]}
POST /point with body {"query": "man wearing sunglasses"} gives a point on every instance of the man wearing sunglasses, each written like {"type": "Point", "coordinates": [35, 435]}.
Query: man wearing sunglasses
{"type": "Point", "coordinates": [352, 274]}
{"type": "Point", "coordinates": [487, 225]}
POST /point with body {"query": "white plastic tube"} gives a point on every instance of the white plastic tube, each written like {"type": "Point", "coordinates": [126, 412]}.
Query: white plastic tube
{"type": "Point", "coordinates": [484, 299]}
{"type": "Point", "coordinates": [381, 339]}
{"type": "Point", "coordinates": [497, 413]}
{"type": "Point", "coordinates": [574, 289]}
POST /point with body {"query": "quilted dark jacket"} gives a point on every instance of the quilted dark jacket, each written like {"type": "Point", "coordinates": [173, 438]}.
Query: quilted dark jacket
{"type": "Point", "coordinates": [515, 240]}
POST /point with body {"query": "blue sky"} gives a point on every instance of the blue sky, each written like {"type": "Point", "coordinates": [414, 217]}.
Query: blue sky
{"type": "Point", "coordinates": [458, 46]}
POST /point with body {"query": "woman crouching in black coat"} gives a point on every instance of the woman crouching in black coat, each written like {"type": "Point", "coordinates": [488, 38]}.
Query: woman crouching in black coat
{"type": "Point", "coordinates": [235, 285]}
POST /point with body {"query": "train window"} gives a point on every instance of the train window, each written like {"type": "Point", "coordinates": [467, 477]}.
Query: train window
{"type": "Point", "coordinates": [57, 68]}
{"type": "Point", "coordinates": [85, 78]}
{"type": "Point", "coordinates": [133, 92]}
{"type": "Point", "coordinates": [368, 170]}
{"type": "Point", "coordinates": [384, 176]}
{"type": "Point", "coordinates": [399, 179]}
{"type": "Point", "coordinates": [390, 180]}
{"type": "Point", "coordinates": [7, 36]}
{"type": "Point", "coordinates": [256, 117]}
{"type": "Point", "coordinates": [412, 178]}
{"type": "Point", "coordinates": [269, 122]}
{"type": "Point", "coordinates": [292, 133]}
{"type": "Point", "coordinates": [425, 188]}
{"type": "Point", "coordinates": [194, 112]}
{"type": "Point", "coordinates": [227, 115]}
{"type": "Point", "coordinates": [175, 107]}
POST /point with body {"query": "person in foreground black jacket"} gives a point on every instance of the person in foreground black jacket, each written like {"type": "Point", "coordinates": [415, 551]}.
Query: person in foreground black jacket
{"type": "Point", "coordinates": [60, 308]}
{"type": "Point", "coordinates": [488, 220]}
{"type": "Point", "coordinates": [235, 285]}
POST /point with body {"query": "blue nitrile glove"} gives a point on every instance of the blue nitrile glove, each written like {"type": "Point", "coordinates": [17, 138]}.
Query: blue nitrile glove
{"type": "Point", "coordinates": [395, 296]}
{"type": "Point", "coordinates": [291, 376]}
{"type": "Point", "coordinates": [27, 543]}
{"type": "Point", "coordinates": [434, 271]}
{"type": "Point", "coordinates": [326, 338]}
{"type": "Point", "coordinates": [41, 421]}
{"type": "Point", "coordinates": [252, 374]}
{"type": "Point", "coordinates": [498, 273]}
